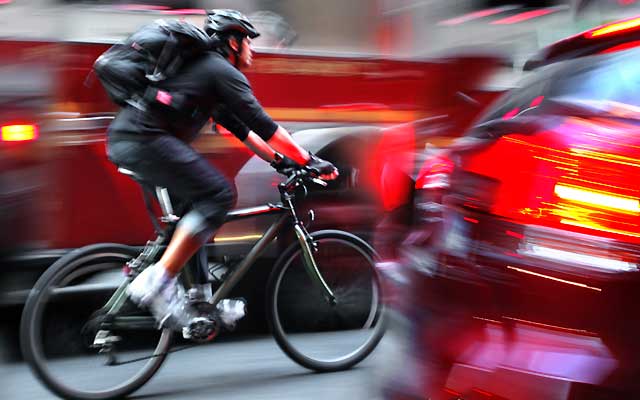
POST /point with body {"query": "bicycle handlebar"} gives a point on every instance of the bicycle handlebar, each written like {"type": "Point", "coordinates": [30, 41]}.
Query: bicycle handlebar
{"type": "Point", "coordinates": [298, 176]}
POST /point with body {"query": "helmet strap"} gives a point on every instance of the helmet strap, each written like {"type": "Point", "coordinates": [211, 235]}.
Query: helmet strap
{"type": "Point", "coordinates": [238, 52]}
{"type": "Point", "coordinates": [240, 41]}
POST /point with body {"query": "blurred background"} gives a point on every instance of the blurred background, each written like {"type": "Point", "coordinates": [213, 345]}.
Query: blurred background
{"type": "Point", "coordinates": [379, 87]}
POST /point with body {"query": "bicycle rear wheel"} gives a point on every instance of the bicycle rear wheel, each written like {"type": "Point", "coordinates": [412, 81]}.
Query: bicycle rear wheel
{"type": "Point", "coordinates": [62, 317]}
{"type": "Point", "coordinates": [312, 332]}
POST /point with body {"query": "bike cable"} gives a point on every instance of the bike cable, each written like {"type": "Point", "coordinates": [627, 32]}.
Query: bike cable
{"type": "Point", "coordinates": [156, 355]}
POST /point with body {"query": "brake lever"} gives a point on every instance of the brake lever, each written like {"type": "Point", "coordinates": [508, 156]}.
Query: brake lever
{"type": "Point", "coordinates": [286, 172]}
{"type": "Point", "coordinates": [319, 182]}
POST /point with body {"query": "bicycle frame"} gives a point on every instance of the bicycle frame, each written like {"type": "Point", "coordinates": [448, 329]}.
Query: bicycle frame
{"type": "Point", "coordinates": [288, 213]}
{"type": "Point", "coordinates": [305, 240]}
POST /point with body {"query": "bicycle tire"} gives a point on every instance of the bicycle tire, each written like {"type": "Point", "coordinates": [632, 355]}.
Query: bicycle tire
{"type": "Point", "coordinates": [32, 323]}
{"type": "Point", "coordinates": [274, 319]}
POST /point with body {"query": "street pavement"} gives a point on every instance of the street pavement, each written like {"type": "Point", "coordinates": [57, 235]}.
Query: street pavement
{"type": "Point", "coordinates": [246, 368]}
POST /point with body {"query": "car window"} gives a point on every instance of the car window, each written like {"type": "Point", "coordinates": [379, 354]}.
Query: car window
{"type": "Point", "coordinates": [603, 78]}
{"type": "Point", "coordinates": [529, 91]}
{"type": "Point", "coordinates": [613, 78]}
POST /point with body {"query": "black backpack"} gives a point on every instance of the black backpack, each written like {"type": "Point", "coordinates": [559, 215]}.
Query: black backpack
{"type": "Point", "coordinates": [129, 70]}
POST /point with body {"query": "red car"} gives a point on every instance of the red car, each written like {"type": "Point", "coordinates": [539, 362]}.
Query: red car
{"type": "Point", "coordinates": [521, 271]}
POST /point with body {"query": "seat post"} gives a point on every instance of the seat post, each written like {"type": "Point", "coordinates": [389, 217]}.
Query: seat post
{"type": "Point", "coordinates": [162, 195]}
{"type": "Point", "coordinates": [165, 204]}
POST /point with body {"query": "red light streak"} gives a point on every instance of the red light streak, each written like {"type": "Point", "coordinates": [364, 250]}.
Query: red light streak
{"type": "Point", "coordinates": [527, 15]}
{"type": "Point", "coordinates": [536, 102]}
{"type": "Point", "coordinates": [582, 285]}
{"type": "Point", "coordinates": [616, 27]}
{"type": "Point", "coordinates": [554, 327]}
{"type": "Point", "coordinates": [511, 114]}
{"type": "Point", "coordinates": [476, 15]}
{"type": "Point", "coordinates": [621, 47]}
{"type": "Point", "coordinates": [515, 234]}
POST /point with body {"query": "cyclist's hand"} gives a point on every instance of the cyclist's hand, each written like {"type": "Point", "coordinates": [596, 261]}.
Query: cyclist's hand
{"type": "Point", "coordinates": [325, 170]}
{"type": "Point", "coordinates": [283, 164]}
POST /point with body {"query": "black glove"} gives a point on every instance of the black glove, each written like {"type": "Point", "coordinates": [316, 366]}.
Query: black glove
{"type": "Point", "coordinates": [323, 168]}
{"type": "Point", "coordinates": [283, 164]}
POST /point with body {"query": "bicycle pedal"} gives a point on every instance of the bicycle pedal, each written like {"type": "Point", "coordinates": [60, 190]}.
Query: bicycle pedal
{"type": "Point", "coordinates": [105, 338]}
{"type": "Point", "coordinates": [201, 329]}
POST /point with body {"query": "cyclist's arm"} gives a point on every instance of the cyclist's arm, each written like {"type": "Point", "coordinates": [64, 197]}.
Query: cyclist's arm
{"type": "Point", "coordinates": [283, 144]}
{"type": "Point", "coordinates": [259, 146]}
{"type": "Point", "coordinates": [242, 104]}
{"type": "Point", "coordinates": [282, 141]}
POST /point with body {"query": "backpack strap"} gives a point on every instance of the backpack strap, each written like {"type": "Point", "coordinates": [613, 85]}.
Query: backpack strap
{"type": "Point", "coordinates": [169, 59]}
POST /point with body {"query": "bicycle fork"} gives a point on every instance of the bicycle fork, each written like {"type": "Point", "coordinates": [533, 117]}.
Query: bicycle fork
{"type": "Point", "coordinates": [308, 247]}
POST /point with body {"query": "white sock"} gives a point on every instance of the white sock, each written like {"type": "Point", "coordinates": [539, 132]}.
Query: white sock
{"type": "Point", "coordinates": [162, 270]}
{"type": "Point", "coordinates": [161, 277]}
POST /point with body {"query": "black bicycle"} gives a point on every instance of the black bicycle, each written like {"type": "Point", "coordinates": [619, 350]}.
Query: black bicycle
{"type": "Point", "coordinates": [84, 339]}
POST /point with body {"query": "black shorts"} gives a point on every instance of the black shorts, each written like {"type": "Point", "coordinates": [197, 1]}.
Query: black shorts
{"type": "Point", "coordinates": [166, 161]}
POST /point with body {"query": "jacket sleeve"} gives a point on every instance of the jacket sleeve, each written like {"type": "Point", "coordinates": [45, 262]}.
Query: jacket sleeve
{"type": "Point", "coordinates": [239, 100]}
{"type": "Point", "coordinates": [223, 116]}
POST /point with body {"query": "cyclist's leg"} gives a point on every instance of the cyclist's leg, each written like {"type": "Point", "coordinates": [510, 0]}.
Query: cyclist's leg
{"type": "Point", "coordinates": [196, 270]}
{"type": "Point", "coordinates": [168, 162]}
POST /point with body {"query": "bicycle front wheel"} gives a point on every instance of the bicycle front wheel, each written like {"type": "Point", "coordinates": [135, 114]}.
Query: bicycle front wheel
{"type": "Point", "coordinates": [313, 332]}
{"type": "Point", "coordinates": [81, 336]}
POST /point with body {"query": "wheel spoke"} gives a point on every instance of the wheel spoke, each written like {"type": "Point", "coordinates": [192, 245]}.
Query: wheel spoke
{"type": "Point", "coordinates": [303, 322]}
{"type": "Point", "coordinates": [73, 344]}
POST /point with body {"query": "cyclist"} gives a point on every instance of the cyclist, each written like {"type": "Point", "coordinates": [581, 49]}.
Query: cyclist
{"type": "Point", "coordinates": [154, 143]}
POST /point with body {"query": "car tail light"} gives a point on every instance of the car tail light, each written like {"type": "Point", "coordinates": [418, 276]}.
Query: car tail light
{"type": "Point", "coordinates": [435, 173]}
{"type": "Point", "coordinates": [581, 178]}
{"type": "Point", "coordinates": [432, 182]}
{"type": "Point", "coordinates": [599, 199]}
{"type": "Point", "coordinates": [19, 132]}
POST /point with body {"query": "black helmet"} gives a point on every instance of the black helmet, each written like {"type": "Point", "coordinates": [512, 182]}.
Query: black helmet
{"type": "Point", "coordinates": [229, 21]}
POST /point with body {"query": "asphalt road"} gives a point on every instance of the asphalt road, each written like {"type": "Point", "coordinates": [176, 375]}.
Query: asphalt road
{"type": "Point", "coordinates": [249, 368]}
